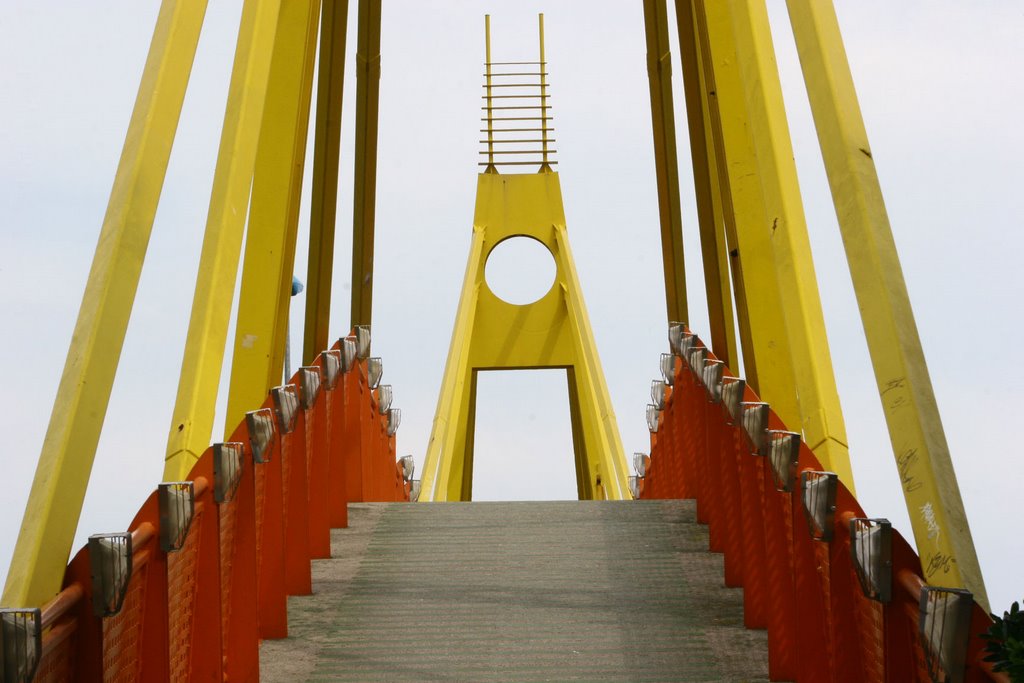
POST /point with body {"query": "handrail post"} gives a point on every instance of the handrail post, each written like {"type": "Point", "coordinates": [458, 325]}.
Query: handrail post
{"type": "Point", "coordinates": [490, 113]}
{"type": "Point", "coordinates": [544, 167]}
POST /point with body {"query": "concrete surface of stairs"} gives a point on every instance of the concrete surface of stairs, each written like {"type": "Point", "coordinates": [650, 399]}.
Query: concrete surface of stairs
{"type": "Point", "coordinates": [547, 591]}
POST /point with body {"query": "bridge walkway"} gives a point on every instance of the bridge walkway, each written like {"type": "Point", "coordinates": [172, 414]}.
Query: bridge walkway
{"type": "Point", "coordinates": [548, 591]}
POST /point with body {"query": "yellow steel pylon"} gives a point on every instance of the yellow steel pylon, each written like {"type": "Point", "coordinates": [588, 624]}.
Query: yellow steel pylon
{"type": "Point", "coordinates": [552, 332]}
{"type": "Point", "coordinates": [266, 285]}
{"type": "Point", "coordinates": [62, 474]}
{"type": "Point", "coordinates": [918, 440]}
{"type": "Point", "coordinates": [193, 417]}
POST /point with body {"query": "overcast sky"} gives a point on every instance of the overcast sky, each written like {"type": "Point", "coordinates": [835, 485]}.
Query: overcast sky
{"type": "Point", "coordinates": [940, 87]}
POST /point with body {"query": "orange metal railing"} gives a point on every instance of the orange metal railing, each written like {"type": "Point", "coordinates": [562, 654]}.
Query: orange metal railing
{"type": "Point", "coordinates": [841, 596]}
{"type": "Point", "coordinates": [204, 572]}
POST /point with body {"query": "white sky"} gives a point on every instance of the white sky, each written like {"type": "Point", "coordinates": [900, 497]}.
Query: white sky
{"type": "Point", "coordinates": [942, 96]}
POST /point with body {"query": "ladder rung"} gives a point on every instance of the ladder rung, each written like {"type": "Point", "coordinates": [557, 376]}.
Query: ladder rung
{"type": "Point", "coordinates": [517, 85]}
{"type": "Point", "coordinates": [520, 151]}
{"type": "Point", "coordinates": [515, 163]}
{"type": "Point", "coordinates": [510, 63]}
{"type": "Point", "coordinates": [511, 97]}
{"type": "Point", "coordinates": [514, 130]}
{"type": "Point", "coordinates": [519, 118]}
{"type": "Point", "coordinates": [521, 73]}
{"type": "Point", "coordinates": [497, 141]}
{"type": "Point", "coordinates": [543, 106]}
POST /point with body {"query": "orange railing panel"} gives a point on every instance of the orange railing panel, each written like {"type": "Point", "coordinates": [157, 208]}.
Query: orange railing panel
{"type": "Point", "coordinates": [189, 613]}
{"type": "Point", "coordinates": [821, 626]}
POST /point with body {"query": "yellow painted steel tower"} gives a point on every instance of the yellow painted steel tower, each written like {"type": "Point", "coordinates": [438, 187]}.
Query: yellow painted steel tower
{"type": "Point", "coordinates": [552, 332]}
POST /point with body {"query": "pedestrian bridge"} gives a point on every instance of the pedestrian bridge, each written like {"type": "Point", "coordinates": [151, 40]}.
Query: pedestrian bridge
{"type": "Point", "coordinates": [302, 548]}
{"type": "Point", "coordinates": [739, 559]}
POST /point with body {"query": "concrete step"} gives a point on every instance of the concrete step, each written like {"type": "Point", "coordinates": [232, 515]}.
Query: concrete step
{"type": "Point", "coordinates": [545, 591]}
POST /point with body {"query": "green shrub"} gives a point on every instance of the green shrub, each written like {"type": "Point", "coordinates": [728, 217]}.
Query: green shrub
{"type": "Point", "coordinates": [1005, 646]}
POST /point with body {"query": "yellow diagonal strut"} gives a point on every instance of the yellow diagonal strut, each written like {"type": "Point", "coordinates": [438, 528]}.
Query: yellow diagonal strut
{"type": "Point", "coordinates": [365, 194]}
{"type": "Point", "coordinates": [767, 361]}
{"type": "Point", "coordinates": [659, 72]}
{"type": "Point", "coordinates": [324, 202]}
{"type": "Point", "coordinates": [192, 423]}
{"type": "Point", "coordinates": [919, 443]}
{"type": "Point", "coordinates": [274, 214]}
{"type": "Point", "coordinates": [62, 475]}
{"type": "Point", "coordinates": [783, 226]}
{"type": "Point", "coordinates": [707, 191]}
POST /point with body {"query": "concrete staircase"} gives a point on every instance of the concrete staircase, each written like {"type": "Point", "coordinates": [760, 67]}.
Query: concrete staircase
{"type": "Point", "coordinates": [548, 591]}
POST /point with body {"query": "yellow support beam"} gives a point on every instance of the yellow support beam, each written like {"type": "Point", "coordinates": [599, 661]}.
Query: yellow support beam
{"type": "Point", "coordinates": [659, 72]}
{"type": "Point", "coordinates": [822, 423]}
{"type": "Point", "coordinates": [69, 448]}
{"type": "Point", "coordinates": [767, 363]}
{"type": "Point", "coordinates": [919, 444]}
{"type": "Point", "coordinates": [708, 194]}
{"type": "Point", "coordinates": [324, 202]}
{"type": "Point", "coordinates": [364, 202]}
{"type": "Point", "coordinates": [437, 481]}
{"type": "Point", "coordinates": [687, 13]}
{"type": "Point", "coordinates": [274, 213]}
{"type": "Point", "coordinates": [607, 472]}
{"type": "Point", "coordinates": [194, 408]}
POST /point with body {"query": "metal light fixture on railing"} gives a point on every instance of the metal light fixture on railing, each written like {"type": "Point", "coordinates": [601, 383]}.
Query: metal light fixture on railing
{"type": "Point", "coordinates": [634, 487]}
{"type": "Point", "coordinates": [349, 352]}
{"type": "Point", "coordinates": [944, 623]}
{"type": "Point", "coordinates": [21, 644]}
{"type": "Point", "coordinates": [309, 377]}
{"type": "Point", "coordinates": [713, 371]}
{"type": "Point", "coordinates": [783, 452]}
{"type": "Point", "coordinates": [286, 406]}
{"type": "Point", "coordinates": [330, 361]}
{"type": "Point", "coordinates": [384, 397]}
{"type": "Point", "coordinates": [110, 561]}
{"type": "Point", "coordinates": [871, 549]}
{"type": "Point", "coordinates": [652, 417]}
{"type": "Point", "coordinates": [363, 341]}
{"type": "Point", "coordinates": [641, 463]}
{"type": "Point", "coordinates": [394, 420]}
{"type": "Point", "coordinates": [732, 397]}
{"type": "Point", "coordinates": [695, 358]}
{"type": "Point", "coordinates": [227, 470]}
{"type": "Point", "coordinates": [687, 341]}
{"type": "Point", "coordinates": [755, 424]}
{"type": "Point", "coordinates": [818, 495]}
{"type": "Point", "coordinates": [261, 432]}
{"type": "Point", "coordinates": [675, 336]}
{"type": "Point", "coordinates": [414, 491]}
{"type": "Point", "coordinates": [668, 368]}
{"type": "Point", "coordinates": [374, 371]}
{"type": "Point", "coordinates": [408, 467]}
{"type": "Point", "coordinates": [658, 393]}
{"type": "Point", "coordinates": [177, 501]}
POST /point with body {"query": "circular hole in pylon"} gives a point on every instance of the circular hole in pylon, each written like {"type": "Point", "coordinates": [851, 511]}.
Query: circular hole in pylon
{"type": "Point", "coordinates": [520, 270]}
